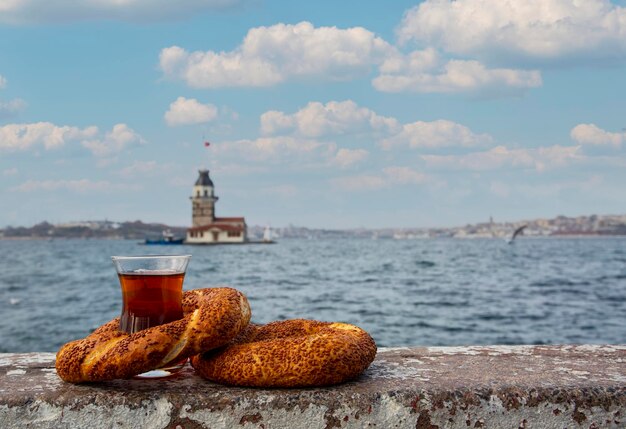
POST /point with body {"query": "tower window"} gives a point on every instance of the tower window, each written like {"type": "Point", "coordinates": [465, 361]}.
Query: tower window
{"type": "Point", "coordinates": [206, 193]}
{"type": "Point", "coordinates": [197, 193]}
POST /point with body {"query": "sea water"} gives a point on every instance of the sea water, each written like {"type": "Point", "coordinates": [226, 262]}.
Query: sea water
{"type": "Point", "coordinates": [404, 292]}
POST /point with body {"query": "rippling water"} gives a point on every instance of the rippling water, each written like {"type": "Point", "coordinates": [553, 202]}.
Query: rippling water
{"type": "Point", "coordinates": [414, 292]}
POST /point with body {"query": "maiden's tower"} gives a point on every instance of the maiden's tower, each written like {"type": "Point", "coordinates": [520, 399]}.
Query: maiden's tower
{"type": "Point", "coordinates": [206, 228]}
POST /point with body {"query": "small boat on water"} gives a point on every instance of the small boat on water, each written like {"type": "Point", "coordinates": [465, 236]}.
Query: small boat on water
{"type": "Point", "coordinates": [166, 238]}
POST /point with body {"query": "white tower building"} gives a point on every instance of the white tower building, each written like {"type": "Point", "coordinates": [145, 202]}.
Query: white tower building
{"type": "Point", "coordinates": [206, 228]}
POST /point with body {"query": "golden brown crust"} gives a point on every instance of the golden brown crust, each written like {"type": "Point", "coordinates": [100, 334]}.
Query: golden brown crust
{"type": "Point", "coordinates": [212, 317]}
{"type": "Point", "coordinates": [291, 353]}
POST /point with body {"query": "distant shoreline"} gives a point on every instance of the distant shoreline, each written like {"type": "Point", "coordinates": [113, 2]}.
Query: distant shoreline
{"type": "Point", "coordinates": [62, 238]}
{"type": "Point", "coordinates": [560, 226]}
{"type": "Point", "coordinates": [353, 237]}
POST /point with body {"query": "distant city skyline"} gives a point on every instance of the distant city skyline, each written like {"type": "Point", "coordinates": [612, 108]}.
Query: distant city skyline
{"type": "Point", "coordinates": [333, 114]}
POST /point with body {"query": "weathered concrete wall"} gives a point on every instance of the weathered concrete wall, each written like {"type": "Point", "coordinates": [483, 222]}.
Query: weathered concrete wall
{"type": "Point", "coordinates": [435, 387]}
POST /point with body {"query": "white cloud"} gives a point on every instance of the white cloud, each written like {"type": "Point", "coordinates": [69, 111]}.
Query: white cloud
{"type": "Point", "coordinates": [540, 158]}
{"type": "Point", "coordinates": [188, 111]}
{"type": "Point", "coordinates": [286, 150]}
{"type": "Point", "coordinates": [519, 29]}
{"type": "Point", "coordinates": [404, 175]}
{"type": "Point", "coordinates": [417, 62]}
{"type": "Point", "coordinates": [347, 157]}
{"type": "Point", "coordinates": [391, 176]}
{"type": "Point", "coordinates": [116, 140]}
{"type": "Point", "coordinates": [454, 76]}
{"type": "Point", "coordinates": [79, 186]}
{"type": "Point", "coordinates": [436, 134]}
{"type": "Point", "coordinates": [299, 134]}
{"type": "Point", "coordinates": [316, 120]}
{"type": "Point", "coordinates": [275, 149]}
{"type": "Point", "coordinates": [270, 55]}
{"type": "Point", "coordinates": [24, 136]}
{"type": "Point", "coordinates": [12, 107]}
{"type": "Point", "coordinates": [275, 122]}
{"type": "Point", "coordinates": [30, 11]}
{"type": "Point", "coordinates": [333, 118]}
{"type": "Point", "coordinates": [591, 134]}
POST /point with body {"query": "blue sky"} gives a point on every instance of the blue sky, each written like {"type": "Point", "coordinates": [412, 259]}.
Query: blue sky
{"type": "Point", "coordinates": [326, 114]}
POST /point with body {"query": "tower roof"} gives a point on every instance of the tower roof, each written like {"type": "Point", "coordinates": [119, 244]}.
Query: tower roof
{"type": "Point", "coordinates": [204, 179]}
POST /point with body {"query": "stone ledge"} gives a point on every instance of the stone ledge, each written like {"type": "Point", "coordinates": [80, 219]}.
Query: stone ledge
{"type": "Point", "coordinates": [427, 387]}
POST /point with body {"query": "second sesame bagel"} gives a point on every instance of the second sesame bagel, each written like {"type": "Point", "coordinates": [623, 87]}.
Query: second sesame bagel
{"type": "Point", "coordinates": [290, 353]}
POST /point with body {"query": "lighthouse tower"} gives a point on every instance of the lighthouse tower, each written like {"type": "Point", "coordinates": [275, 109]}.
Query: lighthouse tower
{"type": "Point", "coordinates": [206, 228]}
{"type": "Point", "coordinates": [203, 200]}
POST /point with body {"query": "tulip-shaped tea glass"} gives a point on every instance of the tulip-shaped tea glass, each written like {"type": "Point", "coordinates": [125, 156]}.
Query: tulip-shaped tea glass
{"type": "Point", "coordinates": [152, 292]}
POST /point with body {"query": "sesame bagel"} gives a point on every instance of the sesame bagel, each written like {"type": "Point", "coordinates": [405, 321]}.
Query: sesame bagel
{"type": "Point", "coordinates": [212, 317]}
{"type": "Point", "coordinates": [291, 353]}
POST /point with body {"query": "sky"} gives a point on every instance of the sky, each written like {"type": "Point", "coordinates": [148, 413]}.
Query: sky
{"type": "Point", "coordinates": [333, 114]}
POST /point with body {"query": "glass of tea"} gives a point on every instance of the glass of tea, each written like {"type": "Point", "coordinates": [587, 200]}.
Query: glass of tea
{"type": "Point", "coordinates": [152, 293]}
